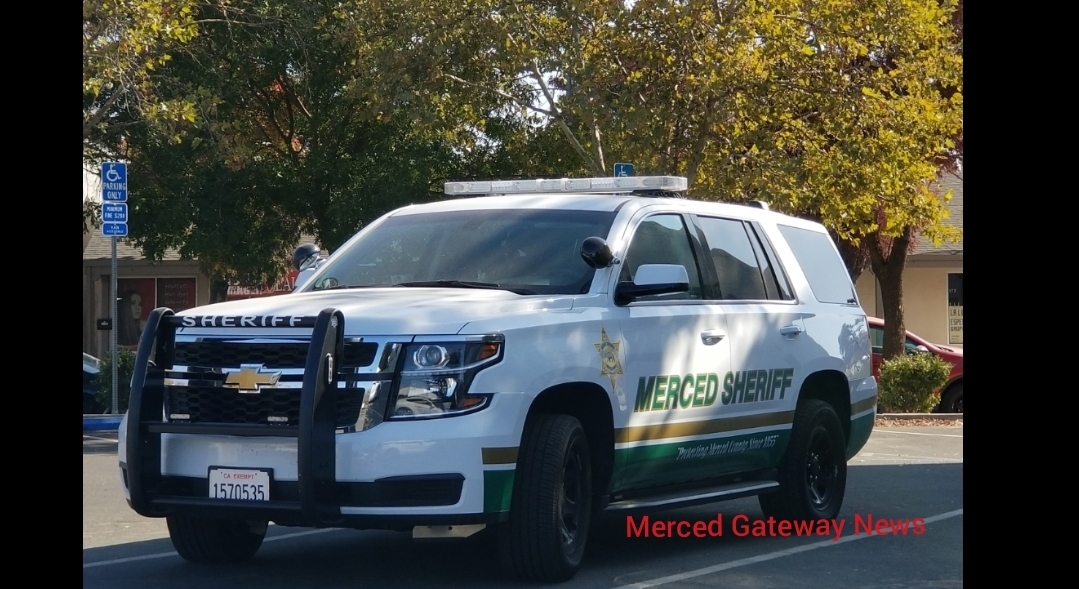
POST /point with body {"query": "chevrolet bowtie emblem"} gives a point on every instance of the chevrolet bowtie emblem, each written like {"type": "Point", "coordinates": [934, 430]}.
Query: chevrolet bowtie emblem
{"type": "Point", "coordinates": [250, 378]}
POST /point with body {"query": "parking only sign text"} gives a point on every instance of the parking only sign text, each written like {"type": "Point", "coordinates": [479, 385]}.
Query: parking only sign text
{"type": "Point", "coordinates": [114, 182]}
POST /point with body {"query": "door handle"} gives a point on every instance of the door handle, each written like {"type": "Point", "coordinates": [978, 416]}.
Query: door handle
{"type": "Point", "coordinates": [712, 336]}
{"type": "Point", "coordinates": [791, 330]}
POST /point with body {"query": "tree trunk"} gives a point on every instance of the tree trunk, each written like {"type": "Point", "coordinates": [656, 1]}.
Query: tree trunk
{"type": "Point", "coordinates": [855, 257]}
{"type": "Point", "coordinates": [888, 267]}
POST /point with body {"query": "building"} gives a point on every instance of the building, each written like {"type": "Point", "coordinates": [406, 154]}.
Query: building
{"type": "Point", "coordinates": [932, 282]}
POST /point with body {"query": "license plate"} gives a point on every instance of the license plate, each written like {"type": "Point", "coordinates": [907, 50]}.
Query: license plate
{"type": "Point", "coordinates": [241, 484]}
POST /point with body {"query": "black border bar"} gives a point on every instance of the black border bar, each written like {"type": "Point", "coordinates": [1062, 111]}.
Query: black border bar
{"type": "Point", "coordinates": [144, 408]}
{"type": "Point", "coordinates": [317, 451]}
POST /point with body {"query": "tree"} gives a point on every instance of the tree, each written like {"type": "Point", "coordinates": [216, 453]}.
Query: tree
{"type": "Point", "coordinates": [841, 111]}
{"type": "Point", "coordinates": [287, 139]}
{"type": "Point", "coordinates": [124, 43]}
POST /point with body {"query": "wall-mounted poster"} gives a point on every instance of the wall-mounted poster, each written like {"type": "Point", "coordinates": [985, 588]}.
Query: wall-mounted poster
{"type": "Point", "coordinates": [136, 298]}
{"type": "Point", "coordinates": [177, 294]}
{"type": "Point", "coordinates": [955, 309]}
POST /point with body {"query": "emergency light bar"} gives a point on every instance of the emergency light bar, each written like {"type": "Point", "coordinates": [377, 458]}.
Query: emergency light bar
{"type": "Point", "coordinates": [578, 185]}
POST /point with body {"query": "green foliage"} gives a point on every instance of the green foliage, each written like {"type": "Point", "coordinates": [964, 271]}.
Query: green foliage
{"type": "Point", "coordinates": [292, 116]}
{"type": "Point", "coordinates": [125, 367]}
{"type": "Point", "coordinates": [124, 44]}
{"type": "Point", "coordinates": [911, 383]}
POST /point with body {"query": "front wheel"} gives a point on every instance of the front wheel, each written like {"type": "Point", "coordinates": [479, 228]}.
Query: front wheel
{"type": "Point", "coordinates": [813, 474]}
{"type": "Point", "coordinates": [952, 401]}
{"type": "Point", "coordinates": [551, 510]}
{"type": "Point", "coordinates": [205, 540]}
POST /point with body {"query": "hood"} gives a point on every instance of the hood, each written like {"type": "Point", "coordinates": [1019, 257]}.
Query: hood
{"type": "Point", "coordinates": [390, 311]}
{"type": "Point", "coordinates": [950, 350]}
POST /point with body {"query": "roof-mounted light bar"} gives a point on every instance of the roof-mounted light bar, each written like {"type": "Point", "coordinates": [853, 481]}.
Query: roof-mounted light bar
{"type": "Point", "coordinates": [571, 185]}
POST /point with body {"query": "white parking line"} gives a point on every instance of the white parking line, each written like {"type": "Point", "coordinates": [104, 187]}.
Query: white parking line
{"type": "Point", "coordinates": [766, 557]}
{"type": "Point", "coordinates": [173, 553]}
{"type": "Point", "coordinates": [919, 459]}
{"type": "Point", "coordinates": [887, 431]}
{"type": "Point", "coordinates": [101, 439]}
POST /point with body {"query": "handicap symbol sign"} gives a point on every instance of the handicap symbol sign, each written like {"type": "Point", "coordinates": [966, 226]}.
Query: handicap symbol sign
{"type": "Point", "coordinates": [623, 170]}
{"type": "Point", "coordinates": [114, 181]}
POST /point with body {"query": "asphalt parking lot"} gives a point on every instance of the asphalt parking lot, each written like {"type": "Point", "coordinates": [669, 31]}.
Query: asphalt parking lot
{"type": "Point", "coordinates": [902, 475]}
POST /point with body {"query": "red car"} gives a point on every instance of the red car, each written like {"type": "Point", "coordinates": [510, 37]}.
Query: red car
{"type": "Point", "coordinates": [951, 397]}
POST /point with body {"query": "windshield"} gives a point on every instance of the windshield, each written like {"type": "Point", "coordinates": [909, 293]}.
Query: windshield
{"type": "Point", "coordinates": [527, 251]}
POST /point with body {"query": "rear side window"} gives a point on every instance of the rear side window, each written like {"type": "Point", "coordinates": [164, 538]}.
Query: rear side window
{"type": "Point", "coordinates": [820, 262]}
{"type": "Point", "coordinates": [734, 259]}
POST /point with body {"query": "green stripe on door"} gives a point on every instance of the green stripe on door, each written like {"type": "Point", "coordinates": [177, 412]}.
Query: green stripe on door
{"type": "Point", "coordinates": [681, 429]}
{"type": "Point", "coordinates": [674, 462]}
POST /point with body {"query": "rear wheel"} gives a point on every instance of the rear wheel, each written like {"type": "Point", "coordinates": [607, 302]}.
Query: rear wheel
{"type": "Point", "coordinates": [813, 474]}
{"type": "Point", "coordinates": [551, 511]}
{"type": "Point", "coordinates": [207, 540]}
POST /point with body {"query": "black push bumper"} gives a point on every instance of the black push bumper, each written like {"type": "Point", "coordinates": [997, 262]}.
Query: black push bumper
{"type": "Point", "coordinates": [318, 502]}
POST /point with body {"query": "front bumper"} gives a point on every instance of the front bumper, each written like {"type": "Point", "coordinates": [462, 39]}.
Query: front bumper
{"type": "Point", "coordinates": [446, 471]}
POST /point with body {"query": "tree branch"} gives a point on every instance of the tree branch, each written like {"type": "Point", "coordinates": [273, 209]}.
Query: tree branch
{"type": "Point", "coordinates": [557, 115]}
{"type": "Point", "coordinates": [505, 95]}
{"type": "Point", "coordinates": [89, 124]}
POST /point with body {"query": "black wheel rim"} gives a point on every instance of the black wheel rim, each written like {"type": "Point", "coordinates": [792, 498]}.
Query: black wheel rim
{"type": "Point", "coordinates": [570, 502]}
{"type": "Point", "coordinates": [822, 470]}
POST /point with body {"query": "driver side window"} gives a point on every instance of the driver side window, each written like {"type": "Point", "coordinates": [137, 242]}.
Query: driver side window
{"type": "Point", "coordinates": [662, 239]}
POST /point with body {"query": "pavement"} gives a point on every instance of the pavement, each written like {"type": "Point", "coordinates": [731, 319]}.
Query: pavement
{"type": "Point", "coordinates": [910, 476]}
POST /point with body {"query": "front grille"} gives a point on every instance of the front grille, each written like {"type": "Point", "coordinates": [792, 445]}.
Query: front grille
{"type": "Point", "coordinates": [221, 405]}
{"type": "Point", "coordinates": [218, 354]}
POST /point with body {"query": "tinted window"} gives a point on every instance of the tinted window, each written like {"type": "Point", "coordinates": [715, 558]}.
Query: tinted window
{"type": "Point", "coordinates": [534, 250]}
{"type": "Point", "coordinates": [773, 272]}
{"type": "Point", "coordinates": [820, 262]}
{"type": "Point", "coordinates": [876, 339]}
{"type": "Point", "coordinates": [734, 259]}
{"type": "Point", "coordinates": [662, 239]}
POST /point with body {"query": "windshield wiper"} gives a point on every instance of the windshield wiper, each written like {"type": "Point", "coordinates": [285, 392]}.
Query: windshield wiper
{"type": "Point", "coordinates": [466, 284]}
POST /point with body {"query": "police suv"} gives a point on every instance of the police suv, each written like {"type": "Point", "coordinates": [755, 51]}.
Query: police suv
{"type": "Point", "coordinates": [521, 357]}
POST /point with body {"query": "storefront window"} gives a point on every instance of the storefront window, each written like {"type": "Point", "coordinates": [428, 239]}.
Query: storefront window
{"type": "Point", "coordinates": [136, 297]}
{"type": "Point", "coordinates": [955, 309]}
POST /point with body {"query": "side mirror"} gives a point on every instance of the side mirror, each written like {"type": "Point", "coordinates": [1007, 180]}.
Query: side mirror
{"type": "Point", "coordinates": [922, 349]}
{"type": "Point", "coordinates": [596, 252]}
{"type": "Point", "coordinates": [653, 279]}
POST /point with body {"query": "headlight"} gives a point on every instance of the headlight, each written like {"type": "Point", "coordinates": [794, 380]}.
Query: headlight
{"type": "Point", "coordinates": [435, 378]}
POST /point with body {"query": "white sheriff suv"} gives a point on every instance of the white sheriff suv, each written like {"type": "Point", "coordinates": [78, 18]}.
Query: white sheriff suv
{"type": "Point", "coordinates": [521, 356]}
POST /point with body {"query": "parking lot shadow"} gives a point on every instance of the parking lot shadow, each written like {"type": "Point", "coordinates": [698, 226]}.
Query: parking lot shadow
{"type": "Point", "coordinates": [349, 558]}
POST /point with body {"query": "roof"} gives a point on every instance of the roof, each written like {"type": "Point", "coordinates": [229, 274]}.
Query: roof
{"type": "Point", "coordinates": [100, 248]}
{"type": "Point", "coordinates": [594, 202]}
{"type": "Point", "coordinates": [955, 219]}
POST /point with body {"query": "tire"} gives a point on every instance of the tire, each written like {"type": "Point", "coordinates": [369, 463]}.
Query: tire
{"type": "Point", "coordinates": [813, 473]}
{"type": "Point", "coordinates": [544, 538]}
{"type": "Point", "coordinates": [204, 540]}
{"type": "Point", "coordinates": [952, 401]}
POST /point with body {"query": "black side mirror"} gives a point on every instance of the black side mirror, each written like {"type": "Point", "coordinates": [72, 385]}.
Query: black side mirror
{"type": "Point", "coordinates": [596, 252]}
